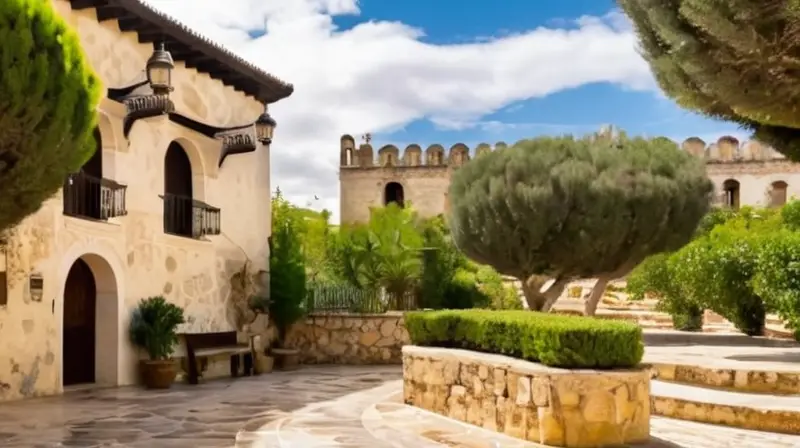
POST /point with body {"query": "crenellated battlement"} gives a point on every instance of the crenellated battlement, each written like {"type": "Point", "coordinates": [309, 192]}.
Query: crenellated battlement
{"type": "Point", "coordinates": [728, 149]}
{"type": "Point", "coordinates": [364, 156]}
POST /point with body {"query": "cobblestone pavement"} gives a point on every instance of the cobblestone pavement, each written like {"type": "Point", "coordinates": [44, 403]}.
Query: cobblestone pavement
{"type": "Point", "coordinates": [314, 407]}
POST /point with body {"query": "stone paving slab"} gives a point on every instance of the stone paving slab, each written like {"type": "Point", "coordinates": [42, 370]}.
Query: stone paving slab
{"type": "Point", "coordinates": [322, 406]}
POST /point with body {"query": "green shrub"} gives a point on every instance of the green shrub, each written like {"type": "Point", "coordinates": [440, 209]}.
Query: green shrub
{"type": "Point", "coordinates": [553, 340]}
{"type": "Point", "coordinates": [655, 276]}
{"type": "Point", "coordinates": [790, 215]}
{"type": "Point", "coordinates": [48, 96]}
{"type": "Point", "coordinates": [717, 269]}
{"type": "Point", "coordinates": [777, 277]}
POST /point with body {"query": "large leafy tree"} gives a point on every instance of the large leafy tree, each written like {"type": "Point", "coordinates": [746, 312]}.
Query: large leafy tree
{"type": "Point", "coordinates": [731, 59]}
{"type": "Point", "coordinates": [48, 95]}
{"type": "Point", "coordinates": [566, 208]}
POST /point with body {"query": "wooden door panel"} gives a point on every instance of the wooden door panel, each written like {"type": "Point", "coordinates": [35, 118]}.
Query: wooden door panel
{"type": "Point", "coordinates": [80, 296]}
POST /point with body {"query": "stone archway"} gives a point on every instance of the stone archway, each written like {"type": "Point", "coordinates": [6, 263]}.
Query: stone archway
{"type": "Point", "coordinates": [90, 323]}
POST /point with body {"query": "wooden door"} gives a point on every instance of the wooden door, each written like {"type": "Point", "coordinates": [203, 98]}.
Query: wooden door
{"type": "Point", "coordinates": [80, 296]}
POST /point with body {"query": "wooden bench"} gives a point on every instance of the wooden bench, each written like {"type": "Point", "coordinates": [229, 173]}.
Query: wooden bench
{"type": "Point", "coordinates": [203, 345]}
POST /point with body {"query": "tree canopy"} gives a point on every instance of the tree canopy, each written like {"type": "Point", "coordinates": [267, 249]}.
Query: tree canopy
{"type": "Point", "coordinates": [731, 59]}
{"type": "Point", "coordinates": [48, 95]}
{"type": "Point", "coordinates": [566, 208]}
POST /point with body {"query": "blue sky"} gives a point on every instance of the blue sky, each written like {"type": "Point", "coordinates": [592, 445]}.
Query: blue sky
{"type": "Point", "coordinates": [577, 110]}
{"type": "Point", "coordinates": [437, 71]}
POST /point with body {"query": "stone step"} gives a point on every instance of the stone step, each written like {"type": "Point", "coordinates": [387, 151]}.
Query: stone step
{"type": "Point", "coordinates": [672, 337]}
{"type": "Point", "coordinates": [726, 378]}
{"type": "Point", "coordinates": [773, 413]}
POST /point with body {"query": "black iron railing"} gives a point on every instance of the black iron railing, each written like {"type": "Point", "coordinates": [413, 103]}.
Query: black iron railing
{"type": "Point", "coordinates": [91, 197]}
{"type": "Point", "coordinates": [189, 217]}
{"type": "Point", "coordinates": [338, 298]}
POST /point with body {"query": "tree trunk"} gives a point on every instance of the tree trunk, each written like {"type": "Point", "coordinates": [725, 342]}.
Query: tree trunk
{"type": "Point", "coordinates": [531, 288]}
{"type": "Point", "coordinates": [538, 300]}
{"type": "Point", "coordinates": [599, 289]}
{"type": "Point", "coordinates": [554, 292]}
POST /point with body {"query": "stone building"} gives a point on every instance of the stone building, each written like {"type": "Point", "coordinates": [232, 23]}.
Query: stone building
{"type": "Point", "coordinates": [743, 174]}
{"type": "Point", "coordinates": [174, 200]}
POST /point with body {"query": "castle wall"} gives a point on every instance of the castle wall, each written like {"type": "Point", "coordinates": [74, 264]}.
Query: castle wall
{"type": "Point", "coordinates": [131, 257]}
{"type": "Point", "coordinates": [756, 167]}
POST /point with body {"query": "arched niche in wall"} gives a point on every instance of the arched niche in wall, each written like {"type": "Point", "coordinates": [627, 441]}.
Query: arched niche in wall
{"type": "Point", "coordinates": [394, 192]}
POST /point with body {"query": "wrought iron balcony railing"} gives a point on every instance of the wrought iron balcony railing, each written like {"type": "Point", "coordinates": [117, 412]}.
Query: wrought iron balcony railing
{"type": "Point", "coordinates": [189, 217]}
{"type": "Point", "coordinates": [91, 197]}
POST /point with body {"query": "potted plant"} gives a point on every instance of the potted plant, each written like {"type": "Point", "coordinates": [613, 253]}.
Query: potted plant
{"type": "Point", "coordinates": [287, 280]}
{"type": "Point", "coordinates": [153, 329]}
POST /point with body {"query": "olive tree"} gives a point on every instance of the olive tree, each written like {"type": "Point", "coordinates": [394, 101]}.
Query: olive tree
{"type": "Point", "coordinates": [48, 96]}
{"type": "Point", "coordinates": [565, 208]}
{"type": "Point", "coordinates": [729, 59]}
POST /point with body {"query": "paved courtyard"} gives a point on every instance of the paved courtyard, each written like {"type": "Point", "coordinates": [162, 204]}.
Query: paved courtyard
{"type": "Point", "coordinates": [314, 407]}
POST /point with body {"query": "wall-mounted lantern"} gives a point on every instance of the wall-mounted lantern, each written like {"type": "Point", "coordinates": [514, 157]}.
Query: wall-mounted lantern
{"type": "Point", "coordinates": [265, 127]}
{"type": "Point", "coordinates": [159, 70]}
{"type": "Point", "coordinates": [36, 286]}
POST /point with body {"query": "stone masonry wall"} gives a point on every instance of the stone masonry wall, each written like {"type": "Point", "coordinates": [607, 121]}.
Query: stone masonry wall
{"type": "Point", "coordinates": [556, 407]}
{"type": "Point", "coordinates": [350, 338]}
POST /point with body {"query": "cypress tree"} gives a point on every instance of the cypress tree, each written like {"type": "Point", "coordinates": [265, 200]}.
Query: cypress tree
{"type": "Point", "coordinates": [728, 59]}
{"type": "Point", "coordinates": [48, 95]}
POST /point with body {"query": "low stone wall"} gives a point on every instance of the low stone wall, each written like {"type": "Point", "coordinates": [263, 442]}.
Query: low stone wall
{"type": "Point", "coordinates": [350, 338]}
{"type": "Point", "coordinates": [556, 407]}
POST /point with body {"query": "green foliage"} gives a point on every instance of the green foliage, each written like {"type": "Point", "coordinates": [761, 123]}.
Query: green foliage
{"type": "Point", "coordinates": [153, 327]}
{"type": "Point", "coordinates": [577, 208]}
{"type": "Point", "coordinates": [777, 276]}
{"type": "Point", "coordinates": [287, 267]}
{"type": "Point", "coordinates": [384, 253]}
{"type": "Point", "coordinates": [726, 59]}
{"type": "Point", "coordinates": [655, 276]}
{"type": "Point", "coordinates": [718, 269]}
{"type": "Point", "coordinates": [790, 215]}
{"type": "Point", "coordinates": [449, 280]}
{"type": "Point", "coordinates": [553, 340]}
{"type": "Point", "coordinates": [48, 96]}
{"type": "Point", "coordinates": [315, 230]}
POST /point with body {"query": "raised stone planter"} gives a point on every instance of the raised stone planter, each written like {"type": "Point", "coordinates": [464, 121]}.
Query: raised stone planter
{"type": "Point", "coordinates": [556, 407]}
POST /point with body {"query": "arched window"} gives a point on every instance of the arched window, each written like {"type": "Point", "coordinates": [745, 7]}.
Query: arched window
{"type": "Point", "coordinates": [731, 193]}
{"type": "Point", "coordinates": [178, 198]}
{"type": "Point", "coordinates": [778, 193]}
{"type": "Point", "coordinates": [393, 193]}
{"type": "Point", "coordinates": [185, 215]}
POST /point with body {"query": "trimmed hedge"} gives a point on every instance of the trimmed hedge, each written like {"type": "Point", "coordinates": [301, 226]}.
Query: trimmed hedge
{"type": "Point", "coordinates": [550, 339]}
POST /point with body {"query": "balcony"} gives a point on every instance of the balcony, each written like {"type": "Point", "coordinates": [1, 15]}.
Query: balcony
{"type": "Point", "coordinates": [184, 216]}
{"type": "Point", "coordinates": [90, 197]}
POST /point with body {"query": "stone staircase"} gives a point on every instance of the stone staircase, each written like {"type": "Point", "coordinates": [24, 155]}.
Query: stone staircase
{"type": "Point", "coordinates": [725, 379]}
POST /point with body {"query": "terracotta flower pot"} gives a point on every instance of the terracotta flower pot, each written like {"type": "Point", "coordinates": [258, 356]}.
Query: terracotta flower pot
{"type": "Point", "coordinates": [286, 358]}
{"type": "Point", "coordinates": [159, 374]}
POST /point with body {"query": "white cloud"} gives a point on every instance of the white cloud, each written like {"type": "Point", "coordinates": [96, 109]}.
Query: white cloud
{"type": "Point", "coordinates": [379, 75]}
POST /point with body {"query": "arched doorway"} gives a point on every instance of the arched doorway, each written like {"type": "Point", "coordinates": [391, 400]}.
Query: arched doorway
{"type": "Point", "coordinates": [393, 193]}
{"type": "Point", "coordinates": [731, 193]}
{"type": "Point", "coordinates": [80, 308]}
{"type": "Point", "coordinates": [90, 323]}
{"type": "Point", "coordinates": [178, 194]}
